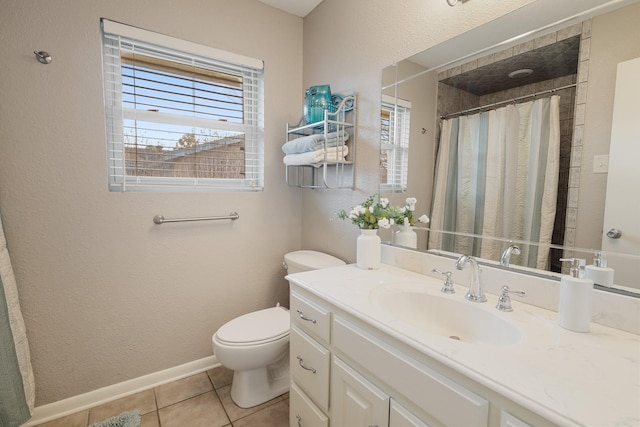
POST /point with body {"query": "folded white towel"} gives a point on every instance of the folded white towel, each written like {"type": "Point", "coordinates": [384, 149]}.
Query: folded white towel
{"type": "Point", "coordinates": [334, 154]}
{"type": "Point", "coordinates": [314, 142]}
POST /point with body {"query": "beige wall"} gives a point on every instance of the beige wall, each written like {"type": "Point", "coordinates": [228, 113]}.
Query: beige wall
{"type": "Point", "coordinates": [347, 44]}
{"type": "Point", "coordinates": [614, 39]}
{"type": "Point", "coordinates": [106, 294]}
{"type": "Point", "coordinates": [420, 91]}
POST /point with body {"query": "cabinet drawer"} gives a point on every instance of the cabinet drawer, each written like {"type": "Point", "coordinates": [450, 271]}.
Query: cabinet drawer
{"type": "Point", "coordinates": [445, 400]}
{"type": "Point", "coordinates": [302, 411]}
{"type": "Point", "coordinates": [310, 317]}
{"type": "Point", "coordinates": [310, 366]}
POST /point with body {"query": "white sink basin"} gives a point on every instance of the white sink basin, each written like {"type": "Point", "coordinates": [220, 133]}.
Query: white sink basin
{"type": "Point", "coordinates": [447, 317]}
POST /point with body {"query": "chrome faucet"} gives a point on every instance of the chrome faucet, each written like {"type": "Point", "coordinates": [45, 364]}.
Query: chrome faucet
{"type": "Point", "coordinates": [475, 294]}
{"type": "Point", "coordinates": [447, 287]}
{"type": "Point", "coordinates": [504, 300]}
{"type": "Point", "coordinates": [506, 255]}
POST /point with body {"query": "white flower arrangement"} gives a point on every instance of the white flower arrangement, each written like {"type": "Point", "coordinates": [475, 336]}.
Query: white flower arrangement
{"type": "Point", "coordinates": [404, 214]}
{"type": "Point", "coordinates": [370, 215]}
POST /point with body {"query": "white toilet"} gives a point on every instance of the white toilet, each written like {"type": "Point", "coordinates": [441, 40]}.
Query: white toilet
{"type": "Point", "coordinates": [256, 345]}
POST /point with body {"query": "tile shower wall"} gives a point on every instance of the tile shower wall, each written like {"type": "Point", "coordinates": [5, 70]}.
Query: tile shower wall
{"type": "Point", "coordinates": [572, 109]}
{"type": "Point", "coordinates": [578, 134]}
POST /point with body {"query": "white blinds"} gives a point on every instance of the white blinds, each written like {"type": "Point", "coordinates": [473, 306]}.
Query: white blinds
{"type": "Point", "coordinates": [177, 119]}
{"type": "Point", "coordinates": [395, 118]}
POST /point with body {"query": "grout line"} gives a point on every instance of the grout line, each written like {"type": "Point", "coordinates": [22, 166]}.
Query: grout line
{"type": "Point", "coordinates": [275, 400]}
{"type": "Point", "coordinates": [74, 404]}
{"type": "Point", "coordinates": [155, 399]}
{"type": "Point", "coordinates": [223, 407]}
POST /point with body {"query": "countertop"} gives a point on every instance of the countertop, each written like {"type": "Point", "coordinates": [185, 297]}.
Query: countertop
{"type": "Point", "coordinates": [569, 378]}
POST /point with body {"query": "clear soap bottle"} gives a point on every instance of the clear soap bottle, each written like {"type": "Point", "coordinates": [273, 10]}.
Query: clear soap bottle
{"type": "Point", "coordinates": [599, 272]}
{"type": "Point", "coordinates": [576, 297]}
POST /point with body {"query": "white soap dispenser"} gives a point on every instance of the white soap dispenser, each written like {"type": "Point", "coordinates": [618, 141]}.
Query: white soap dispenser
{"type": "Point", "coordinates": [599, 272]}
{"type": "Point", "coordinates": [576, 296]}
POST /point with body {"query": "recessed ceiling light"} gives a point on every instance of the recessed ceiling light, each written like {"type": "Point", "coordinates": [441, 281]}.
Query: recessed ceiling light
{"type": "Point", "coordinates": [518, 74]}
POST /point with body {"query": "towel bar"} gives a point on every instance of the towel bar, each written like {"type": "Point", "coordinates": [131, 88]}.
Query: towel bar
{"type": "Point", "coordinates": [159, 219]}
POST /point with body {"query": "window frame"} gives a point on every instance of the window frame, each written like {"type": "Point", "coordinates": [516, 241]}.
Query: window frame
{"type": "Point", "coordinates": [117, 38]}
{"type": "Point", "coordinates": [397, 146]}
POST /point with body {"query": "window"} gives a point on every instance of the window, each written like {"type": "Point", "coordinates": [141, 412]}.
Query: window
{"type": "Point", "coordinates": [394, 144]}
{"type": "Point", "coordinates": [180, 116]}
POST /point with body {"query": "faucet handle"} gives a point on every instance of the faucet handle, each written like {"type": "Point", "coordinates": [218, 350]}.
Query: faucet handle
{"type": "Point", "coordinates": [504, 300]}
{"type": "Point", "coordinates": [447, 287]}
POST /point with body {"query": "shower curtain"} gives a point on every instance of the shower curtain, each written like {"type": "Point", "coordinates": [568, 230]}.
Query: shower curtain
{"type": "Point", "coordinates": [497, 175]}
{"type": "Point", "coordinates": [17, 388]}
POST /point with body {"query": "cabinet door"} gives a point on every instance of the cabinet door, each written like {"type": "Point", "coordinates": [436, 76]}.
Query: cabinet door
{"type": "Point", "coordinates": [355, 402]}
{"type": "Point", "coordinates": [401, 417]}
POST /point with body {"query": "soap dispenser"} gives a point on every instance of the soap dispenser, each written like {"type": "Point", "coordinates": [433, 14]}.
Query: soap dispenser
{"type": "Point", "coordinates": [576, 296]}
{"type": "Point", "coordinates": [599, 272]}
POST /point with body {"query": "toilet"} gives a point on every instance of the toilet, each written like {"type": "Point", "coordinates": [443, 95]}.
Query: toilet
{"type": "Point", "coordinates": [256, 345]}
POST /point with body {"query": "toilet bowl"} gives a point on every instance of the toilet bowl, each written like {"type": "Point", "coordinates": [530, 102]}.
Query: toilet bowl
{"type": "Point", "coordinates": [256, 345]}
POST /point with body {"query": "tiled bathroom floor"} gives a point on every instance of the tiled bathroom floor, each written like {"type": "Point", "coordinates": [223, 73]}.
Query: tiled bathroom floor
{"type": "Point", "coordinates": [201, 400]}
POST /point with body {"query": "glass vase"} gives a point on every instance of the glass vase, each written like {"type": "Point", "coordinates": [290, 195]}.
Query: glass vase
{"type": "Point", "coordinates": [368, 247]}
{"type": "Point", "coordinates": [317, 99]}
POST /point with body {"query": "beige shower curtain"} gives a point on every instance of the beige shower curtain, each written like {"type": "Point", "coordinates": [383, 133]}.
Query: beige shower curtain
{"type": "Point", "coordinates": [497, 175]}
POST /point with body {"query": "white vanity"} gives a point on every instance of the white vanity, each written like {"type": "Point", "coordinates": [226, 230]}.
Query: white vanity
{"type": "Point", "coordinates": [367, 349]}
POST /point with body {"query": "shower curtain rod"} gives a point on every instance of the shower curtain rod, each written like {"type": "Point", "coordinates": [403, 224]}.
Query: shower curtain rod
{"type": "Point", "coordinates": [509, 101]}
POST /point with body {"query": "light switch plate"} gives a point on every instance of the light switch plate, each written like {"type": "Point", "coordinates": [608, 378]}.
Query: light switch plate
{"type": "Point", "coordinates": [601, 164]}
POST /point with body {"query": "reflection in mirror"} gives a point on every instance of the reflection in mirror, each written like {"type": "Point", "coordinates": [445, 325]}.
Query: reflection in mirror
{"type": "Point", "coordinates": [521, 158]}
{"type": "Point", "coordinates": [426, 233]}
{"type": "Point", "coordinates": [395, 120]}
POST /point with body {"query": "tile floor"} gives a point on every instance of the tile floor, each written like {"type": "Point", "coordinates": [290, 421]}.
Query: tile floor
{"type": "Point", "coordinates": [201, 400]}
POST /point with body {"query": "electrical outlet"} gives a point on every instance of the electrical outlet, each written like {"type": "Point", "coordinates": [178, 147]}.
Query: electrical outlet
{"type": "Point", "coordinates": [601, 164]}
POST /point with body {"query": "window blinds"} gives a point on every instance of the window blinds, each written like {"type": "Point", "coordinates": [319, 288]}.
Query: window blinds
{"type": "Point", "coordinates": [180, 115]}
{"type": "Point", "coordinates": [395, 118]}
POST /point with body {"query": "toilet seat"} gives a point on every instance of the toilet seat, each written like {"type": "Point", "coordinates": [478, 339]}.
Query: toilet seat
{"type": "Point", "coordinates": [258, 327]}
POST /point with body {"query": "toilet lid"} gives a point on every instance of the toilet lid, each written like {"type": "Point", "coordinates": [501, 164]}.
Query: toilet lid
{"type": "Point", "coordinates": [263, 325]}
{"type": "Point", "coordinates": [311, 260]}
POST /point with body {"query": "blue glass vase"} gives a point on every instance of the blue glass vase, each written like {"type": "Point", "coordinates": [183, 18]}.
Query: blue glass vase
{"type": "Point", "coordinates": [317, 99]}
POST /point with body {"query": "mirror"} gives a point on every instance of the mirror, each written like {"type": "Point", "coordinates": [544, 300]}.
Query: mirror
{"type": "Point", "coordinates": [575, 59]}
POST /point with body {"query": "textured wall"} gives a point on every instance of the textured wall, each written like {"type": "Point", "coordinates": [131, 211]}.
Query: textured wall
{"type": "Point", "coordinates": [106, 294]}
{"type": "Point", "coordinates": [347, 44]}
{"type": "Point", "coordinates": [421, 91]}
{"type": "Point", "coordinates": [613, 40]}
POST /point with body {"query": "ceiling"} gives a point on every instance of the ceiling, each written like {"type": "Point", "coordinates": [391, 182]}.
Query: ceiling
{"type": "Point", "coordinates": [300, 8]}
{"type": "Point", "coordinates": [548, 62]}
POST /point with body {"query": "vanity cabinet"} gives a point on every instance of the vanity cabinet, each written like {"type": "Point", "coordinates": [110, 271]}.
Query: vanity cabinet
{"type": "Point", "coordinates": [327, 172]}
{"type": "Point", "coordinates": [325, 385]}
{"type": "Point", "coordinates": [345, 372]}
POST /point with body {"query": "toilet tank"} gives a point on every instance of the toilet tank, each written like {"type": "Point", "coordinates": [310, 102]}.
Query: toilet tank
{"type": "Point", "coordinates": [298, 261]}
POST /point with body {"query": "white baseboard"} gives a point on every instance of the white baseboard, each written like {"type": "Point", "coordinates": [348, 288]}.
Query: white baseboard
{"type": "Point", "coordinates": [61, 408]}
